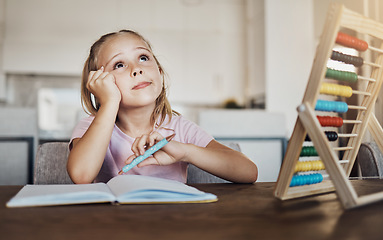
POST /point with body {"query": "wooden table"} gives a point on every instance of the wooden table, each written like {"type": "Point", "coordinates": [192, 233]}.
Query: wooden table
{"type": "Point", "coordinates": [244, 211]}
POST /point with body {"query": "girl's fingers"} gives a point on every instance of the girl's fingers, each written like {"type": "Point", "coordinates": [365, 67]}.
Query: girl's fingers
{"type": "Point", "coordinates": [98, 73]}
{"type": "Point", "coordinates": [93, 76]}
{"type": "Point", "coordinates": [154, 137]}
{"type": "Point", "coordinates": [148, 161]}
{"type": "Point", "coordinates": [99, 76]}
{"type": "Point", "coordinates": [130, 159]}
{"type": "Point", "coordinates": [139, 144]}
{"type": "Point", "coordinates": [143, 143]}
{"type": "Point", "coordinates": [103, 75]}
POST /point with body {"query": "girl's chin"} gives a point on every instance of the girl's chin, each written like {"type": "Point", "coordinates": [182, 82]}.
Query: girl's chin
{"type": "Point", "coordinates": [144, 103]}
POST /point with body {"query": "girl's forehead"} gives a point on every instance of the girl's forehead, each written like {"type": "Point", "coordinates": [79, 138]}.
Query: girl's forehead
{"type": "Point", "coordinates": [125, 40]}
{"type": "Point", "coordinates": [120, 43]}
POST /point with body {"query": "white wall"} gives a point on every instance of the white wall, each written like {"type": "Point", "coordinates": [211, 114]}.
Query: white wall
{"type": "Point", "coordinates": [255, 49]}
{"type": "Point", "coordinates": [289, 51]}
{"type": "Point", "coordinates": [2, 32]}
{"type": "Point", "coordinates": [213, 49]}
{"type": "Point", "coordinates": [200, 43]}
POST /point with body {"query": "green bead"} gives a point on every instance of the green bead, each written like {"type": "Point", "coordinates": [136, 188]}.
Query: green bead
{"type": "Point", "coordinates": [341, 75]}
{"type": "Point", "coordinates": [308, 151]}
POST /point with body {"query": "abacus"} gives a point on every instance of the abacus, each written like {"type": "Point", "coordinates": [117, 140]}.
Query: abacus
{"type": "Point", "coordinates": [325, 93]}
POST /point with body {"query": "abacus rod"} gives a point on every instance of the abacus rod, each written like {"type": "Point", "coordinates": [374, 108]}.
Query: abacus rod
{"type": "Point", "coordinates": [346, 135]}
{"type": "Point", "coordinates": [372, 64]}
{"type": "Point", "coordinates": [342, 148]}
{"type": "Point", "coordinates": [340, 161]}
{"type": "Point", "coordinates": [375, 49]}
{"type": "Point", "coordinates": [357, 107]}
{"type": "Point", "coordinates": [352, 121]}
{"type": "Point", "coordinates": [325, 176]}
{"type": "Point", "coordinates": [366, 79]}
{"type": "Point", "coordinates": [361, 93]}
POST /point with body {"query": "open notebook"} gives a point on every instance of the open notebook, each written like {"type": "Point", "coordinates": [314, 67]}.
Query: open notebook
{"type": "Point", "coordinates": [123, 189]}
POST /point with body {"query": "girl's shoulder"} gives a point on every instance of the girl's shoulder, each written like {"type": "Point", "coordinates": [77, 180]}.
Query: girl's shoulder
{"type": "Point", "coordinates": [87, 120]}
{"type": "Point", "coordinates": [186, 131]}
{"type": "Point", "coordinates": [178, 120]}
{"type": "Point", "coordinates": [84, 122]}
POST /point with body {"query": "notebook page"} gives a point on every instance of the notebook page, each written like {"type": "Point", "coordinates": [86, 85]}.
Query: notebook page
{"type": "Point", "coordinates": [41, 195]}
{"type": "Point", "coordinates": [128, 183]}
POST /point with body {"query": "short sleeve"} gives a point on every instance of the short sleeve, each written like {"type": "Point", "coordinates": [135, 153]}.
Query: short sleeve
{"type": "Point", "coordinates": [190, 132]}
{"type": "Point", "coordinates": [81, 127]}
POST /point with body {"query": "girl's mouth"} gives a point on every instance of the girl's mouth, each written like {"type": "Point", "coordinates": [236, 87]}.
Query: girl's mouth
{"type": "Point", "coordinates": [141, 85]}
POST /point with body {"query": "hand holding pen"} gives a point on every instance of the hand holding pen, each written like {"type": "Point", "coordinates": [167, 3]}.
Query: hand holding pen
{"type": "Point", "coordinates": [147, 154]}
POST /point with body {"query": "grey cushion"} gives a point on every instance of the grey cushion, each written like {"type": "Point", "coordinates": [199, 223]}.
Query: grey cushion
{"type": "Point", "coordinates": [370, 160]}
{"type": "Point", "coordinates": [196, 175]}
{"type": "Point", "coordinates": [50, 164]}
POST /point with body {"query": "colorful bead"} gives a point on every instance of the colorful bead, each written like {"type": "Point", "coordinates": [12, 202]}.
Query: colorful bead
{"type": "Point", "coordinates": [308, 151]}
{"type": "Point", "coordinates": [336, 90]}
{"type": "Point", "coordinates": [331, 136]}
{"type": "Point", "coordinates": [327, 121]}
{"type": "Point", "coordinates": [331, 106]}
{"type": "Point", "coordinates": [348, 59]}
{"type": "Point", "coordinates": [309, 166]}
{"type": "Point", "coordinates": [352, 42]}
{"type": "Point", "coordinates": [341, 75]}
{"type": "Point", "coordinates": [306, 179]}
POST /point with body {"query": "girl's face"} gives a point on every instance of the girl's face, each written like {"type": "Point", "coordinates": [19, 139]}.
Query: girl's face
{"type": "Point", "coordinates": [133, 66]}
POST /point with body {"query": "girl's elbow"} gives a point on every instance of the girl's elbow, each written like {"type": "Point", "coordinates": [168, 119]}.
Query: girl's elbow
{"type": "Point", "coordinates": [78, 177]}
{"type": "Point", "coordinates": [253, 173]}
{"type": "Point", "coordinates": [249, 174]}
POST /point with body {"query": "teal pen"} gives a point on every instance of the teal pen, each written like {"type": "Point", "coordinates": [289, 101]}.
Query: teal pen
{"type": "Point", "coordinates": [147, 154]}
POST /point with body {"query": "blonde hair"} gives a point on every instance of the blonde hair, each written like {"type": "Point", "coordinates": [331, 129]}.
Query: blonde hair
{"type": "Point", "coordinates": [162, 106]}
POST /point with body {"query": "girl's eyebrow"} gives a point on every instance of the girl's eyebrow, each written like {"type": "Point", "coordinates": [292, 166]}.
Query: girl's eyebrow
{"type": "Point", "coordinates": [106, 64]}
{"type": "Point", "coordinates": [144, 48]}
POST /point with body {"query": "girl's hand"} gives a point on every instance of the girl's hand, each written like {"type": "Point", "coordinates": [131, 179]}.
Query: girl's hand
{"type": "Point", "coordinates": [169, 154]}
{"type": "Point", "coordinates": [103, 86]}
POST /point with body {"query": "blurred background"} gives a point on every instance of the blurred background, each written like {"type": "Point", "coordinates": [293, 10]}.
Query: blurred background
{"type": "Point", "coordinates": [238, 68]}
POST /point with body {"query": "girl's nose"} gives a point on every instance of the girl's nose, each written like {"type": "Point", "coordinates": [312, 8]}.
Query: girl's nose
{"type": "Point", "coordinates": [137, 72]}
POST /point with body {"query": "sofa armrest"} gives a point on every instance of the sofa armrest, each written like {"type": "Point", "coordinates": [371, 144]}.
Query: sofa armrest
{"type": "Point", "coordinates": [370, 160]}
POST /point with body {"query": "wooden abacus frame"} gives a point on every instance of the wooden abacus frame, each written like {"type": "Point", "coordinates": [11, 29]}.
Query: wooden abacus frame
{"type": "Point", "coordinates": [337, 17]}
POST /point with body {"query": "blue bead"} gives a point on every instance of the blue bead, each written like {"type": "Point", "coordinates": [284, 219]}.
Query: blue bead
{"type": "Point", "coordinates": [331, 106]}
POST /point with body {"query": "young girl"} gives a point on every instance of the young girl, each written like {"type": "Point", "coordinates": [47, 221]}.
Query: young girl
{"type": "Point", "coordinates": [131, 113]}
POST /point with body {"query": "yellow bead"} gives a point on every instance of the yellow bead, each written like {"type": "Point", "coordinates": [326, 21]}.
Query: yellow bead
{"type": "Point", "coordinates": [335, 89]}
{"type": "Point", "coordinates": [309, 166]}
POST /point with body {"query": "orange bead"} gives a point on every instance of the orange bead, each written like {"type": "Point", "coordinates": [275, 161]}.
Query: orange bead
{"type": "Point", "coordinates": [352, 42]}
{"type": "Point", "coordinates": [327, 121]}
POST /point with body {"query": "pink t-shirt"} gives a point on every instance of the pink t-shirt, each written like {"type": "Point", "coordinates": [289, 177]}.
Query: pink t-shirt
{"type": "Point", "coordinates": [119, 149]}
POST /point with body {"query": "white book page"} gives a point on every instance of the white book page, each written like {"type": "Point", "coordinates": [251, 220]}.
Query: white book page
{"type": "Point", "coordinates": [124, 184]}
{"type": "Point", "coordinates": [40, 195]}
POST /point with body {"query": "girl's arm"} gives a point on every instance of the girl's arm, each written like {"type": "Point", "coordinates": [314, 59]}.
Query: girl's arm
{"type": "Point", "coordinates": [222, 161]}
{"type": "Point", "coordinates": [88, 152]}
{"type": "Point", "coordinates": [215, 158]}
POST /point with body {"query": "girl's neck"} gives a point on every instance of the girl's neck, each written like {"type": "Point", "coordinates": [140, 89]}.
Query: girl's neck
{"type": "Point", "coordinates": [135, 122]}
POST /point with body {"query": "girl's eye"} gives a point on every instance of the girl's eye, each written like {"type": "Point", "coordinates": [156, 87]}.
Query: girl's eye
{"type": "Point", "coordinates": [119, 65]}
{"type": "Point", "coordinates": [144, 58]}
